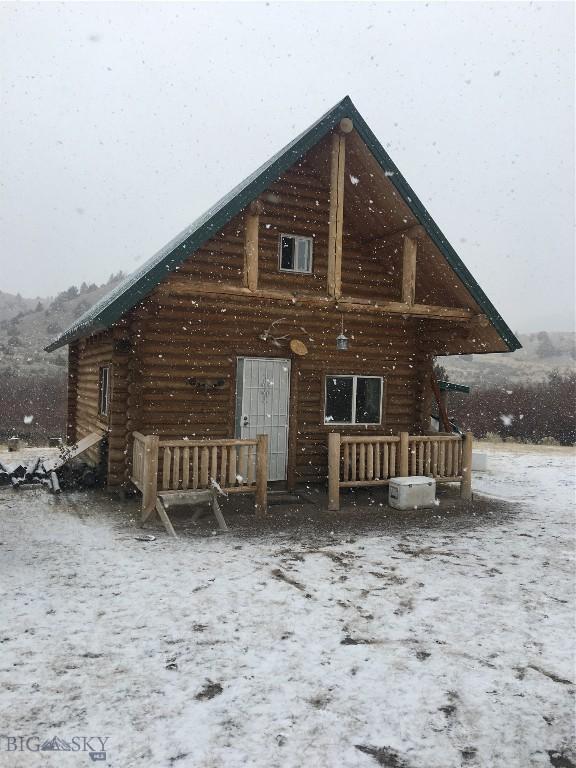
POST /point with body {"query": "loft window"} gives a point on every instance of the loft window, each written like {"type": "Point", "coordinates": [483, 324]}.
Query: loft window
{"type": "Point", "coordinates": [353, 400]}
{"type": "Point", "coordinates": [295, 254]}
{"type": "Point", "coordinates": [104, 390]}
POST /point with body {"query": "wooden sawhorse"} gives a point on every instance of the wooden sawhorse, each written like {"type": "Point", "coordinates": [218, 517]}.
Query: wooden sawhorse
{"type": "Point", "coordinates": [186, 498]}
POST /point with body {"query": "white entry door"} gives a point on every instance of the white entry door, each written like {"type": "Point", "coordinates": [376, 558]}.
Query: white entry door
{"type": "Point", "coordinates": [262, 397]}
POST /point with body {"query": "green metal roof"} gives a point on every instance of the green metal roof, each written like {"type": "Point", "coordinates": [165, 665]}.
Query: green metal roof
{"type": "Point", "coordinates": [450, 386]}
{"type": "Point", "coordinates": [139, 284]}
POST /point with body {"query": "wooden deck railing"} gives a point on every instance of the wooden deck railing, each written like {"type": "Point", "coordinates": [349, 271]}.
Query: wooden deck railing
{"type": "Point", "coordinates": [355, 461]}
{"type": "Point", "coordinates": [235, 466]}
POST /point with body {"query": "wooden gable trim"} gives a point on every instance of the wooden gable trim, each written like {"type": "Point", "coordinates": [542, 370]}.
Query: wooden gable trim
{"type": "Point", "coordinates": [336, 216]}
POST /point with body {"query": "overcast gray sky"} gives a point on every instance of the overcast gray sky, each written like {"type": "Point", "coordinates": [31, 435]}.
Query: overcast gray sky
{"type": "Point", "coordinates": [121, 122]}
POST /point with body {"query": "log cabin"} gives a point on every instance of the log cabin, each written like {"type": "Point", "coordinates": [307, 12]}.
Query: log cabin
{"type": "Point", "coordinates": [310, 301]}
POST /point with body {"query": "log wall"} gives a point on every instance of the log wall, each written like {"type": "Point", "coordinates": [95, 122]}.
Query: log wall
{"type": "Point", "coordinates": [201, 337]}
{"type": "Point", "coordinates": [87, 356]}
{"type": "Point", "coordinates": [296, 204]}
{"type": "Point", "coordinates": [179, 333]}
{"type": "Point", "coordinates": [371, 269]}
{"type": "Point", "coordinates": [91, 354]}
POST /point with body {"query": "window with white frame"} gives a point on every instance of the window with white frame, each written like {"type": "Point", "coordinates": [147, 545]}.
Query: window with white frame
{"type": "Point", "coordinates": [353, 400]}
{"type": "Point", "coordinates": [104, 390]}
{"type": "Point", "coordinates": [295, 254]}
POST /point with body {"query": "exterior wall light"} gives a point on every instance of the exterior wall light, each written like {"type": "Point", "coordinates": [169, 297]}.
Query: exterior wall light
{"type": "Point", "coordinates": [342, 339]}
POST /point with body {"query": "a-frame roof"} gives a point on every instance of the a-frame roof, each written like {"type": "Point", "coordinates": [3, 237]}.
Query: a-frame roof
{"type": "Point", "coordinates": [139, 284]}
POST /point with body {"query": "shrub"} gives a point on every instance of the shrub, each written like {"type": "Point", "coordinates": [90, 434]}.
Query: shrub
{"type": "Point", "coordinates": [548, 441]}
{"type": "Point", "coordinates": [531, 412]}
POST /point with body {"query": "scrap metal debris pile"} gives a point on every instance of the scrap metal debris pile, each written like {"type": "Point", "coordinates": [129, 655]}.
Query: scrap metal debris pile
{"type": "Point", "coordinates": [63, 471]}
{"type": "Point", "coordinates": [31, 472]}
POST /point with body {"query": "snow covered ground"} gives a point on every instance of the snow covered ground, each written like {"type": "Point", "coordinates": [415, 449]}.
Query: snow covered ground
{"type": "Point", "coordinates": [425, 646]}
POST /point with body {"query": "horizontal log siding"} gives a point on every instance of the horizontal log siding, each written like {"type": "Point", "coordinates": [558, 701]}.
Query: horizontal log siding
{"type": "Point", "coordinates": [83, 402]}
{"type": "Point", "coordinates": [436, 282]}
{"type": "Point", "coordinates": [297, 204]}
{"type": "Point", "coordinates": [92, 353]}
{"type": "Point", "coordinates": [220, 260]}
{"type": "Point", "coordinates": [371, 269]}
{"type": "Point", "coordinates": [118, 422]}
{"type": "Point", "coordinates": [202, 337]}
{"type": "Point", "coordinates": [72, 391]}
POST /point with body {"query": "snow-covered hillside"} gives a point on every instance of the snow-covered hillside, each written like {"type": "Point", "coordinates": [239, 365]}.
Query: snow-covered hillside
{"type": "Point", "coordinates": [541, 354]}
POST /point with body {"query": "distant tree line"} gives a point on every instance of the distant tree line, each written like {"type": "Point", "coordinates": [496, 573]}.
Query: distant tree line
{"type": "Point", "coordinates": [538, 412]}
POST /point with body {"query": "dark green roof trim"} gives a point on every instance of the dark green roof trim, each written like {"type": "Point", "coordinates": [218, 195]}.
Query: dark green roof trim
{"type": "Point", "coordinates": [141, 282]}
{"type": "Point", "coordinates": [449, 386]}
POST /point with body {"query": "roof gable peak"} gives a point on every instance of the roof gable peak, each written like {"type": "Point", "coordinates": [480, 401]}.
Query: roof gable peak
{"type": "Point", "coordinates": [143, 280]}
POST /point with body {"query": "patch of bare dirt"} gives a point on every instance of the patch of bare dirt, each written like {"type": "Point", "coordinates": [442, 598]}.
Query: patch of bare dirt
{"type": "Point", "coordinates": [209, 691]}
{"type": "Point", "coordinates": [384, 756]}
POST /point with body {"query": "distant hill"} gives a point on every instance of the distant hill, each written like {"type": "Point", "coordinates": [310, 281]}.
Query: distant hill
{"type": "Point", "coordinates": [11, 305]}
{"type": "Point", "coordinates": [541, 354]}
{"type": "Point", "coordinates": [28, 325]}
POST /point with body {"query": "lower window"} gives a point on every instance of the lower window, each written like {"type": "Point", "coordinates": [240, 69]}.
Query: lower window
{"type": "Point", "coordinates": [104, 390]}
{"type": "Point", "coordinates": [353, 400]}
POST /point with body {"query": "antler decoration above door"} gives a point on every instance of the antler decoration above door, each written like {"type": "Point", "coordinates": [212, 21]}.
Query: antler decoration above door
{"type": "Point", "coordinates": [269, 333]}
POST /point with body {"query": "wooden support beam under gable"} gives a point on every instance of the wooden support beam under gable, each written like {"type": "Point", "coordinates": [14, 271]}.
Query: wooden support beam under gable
{"type": "Point", "coordinates": [175, 291]}
{"type": "Point", "coordinates": [336, 214]}
{"type": "Point", "coordinates": [409, 270]}
{"type": "Point", "coordinates": [444, 420]}
{"type": "Point", "coordinates": [251, 225]}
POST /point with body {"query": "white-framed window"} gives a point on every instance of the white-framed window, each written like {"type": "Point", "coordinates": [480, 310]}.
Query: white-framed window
{"type": "Point", "coordinates": [353, 399]}
{"type": "Point", "coordinates": [104, 390]}
{"type": "Point", "coordinates": [295, 254]}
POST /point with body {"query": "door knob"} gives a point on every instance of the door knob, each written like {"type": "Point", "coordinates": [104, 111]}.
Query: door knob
{"type": "Point", "coordinates": [245, 421]}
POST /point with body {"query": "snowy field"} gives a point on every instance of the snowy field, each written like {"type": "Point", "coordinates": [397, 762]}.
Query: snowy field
{"type": "Point", "coordinates": [422, 646]}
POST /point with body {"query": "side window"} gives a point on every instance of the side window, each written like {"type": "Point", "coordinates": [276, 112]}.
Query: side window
{"type": "Point", "coordinates": [295, 254]}
{"type": "Point", "coordinates": [353, 400]}
{"type": "Point", "coordinates": [104, 390]}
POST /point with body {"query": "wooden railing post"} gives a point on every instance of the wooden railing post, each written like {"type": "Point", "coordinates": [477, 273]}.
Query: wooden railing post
{"type": "Point", "coordinates": [333, 471]}
{"type": "Point", "coordinates": [261, 474]}
{"type": "Point", "coordinates": [404, 454]}
{"type": "Point", "coordinates": [466, 484]}
{"type": "Point", "coordinates": [149, 475]}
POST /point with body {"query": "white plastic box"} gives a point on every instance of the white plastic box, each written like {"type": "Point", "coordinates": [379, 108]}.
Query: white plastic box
{"type": "Point", "coordinates": [411, 492]}
{"type": "Point", "coordinates": [479, 461]}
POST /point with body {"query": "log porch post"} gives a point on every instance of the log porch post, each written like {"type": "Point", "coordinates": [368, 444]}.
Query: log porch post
{"type": "Point", "coordinates": [333, 471]}
{"type": "Point", "coordinates": [261, 474]}
{"type": "Point", "coordinates": [466, 484]}
{"type": "Point", "coordinates": [404, 455]}
{"type": "Point", "coordinates": [150, 475]}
